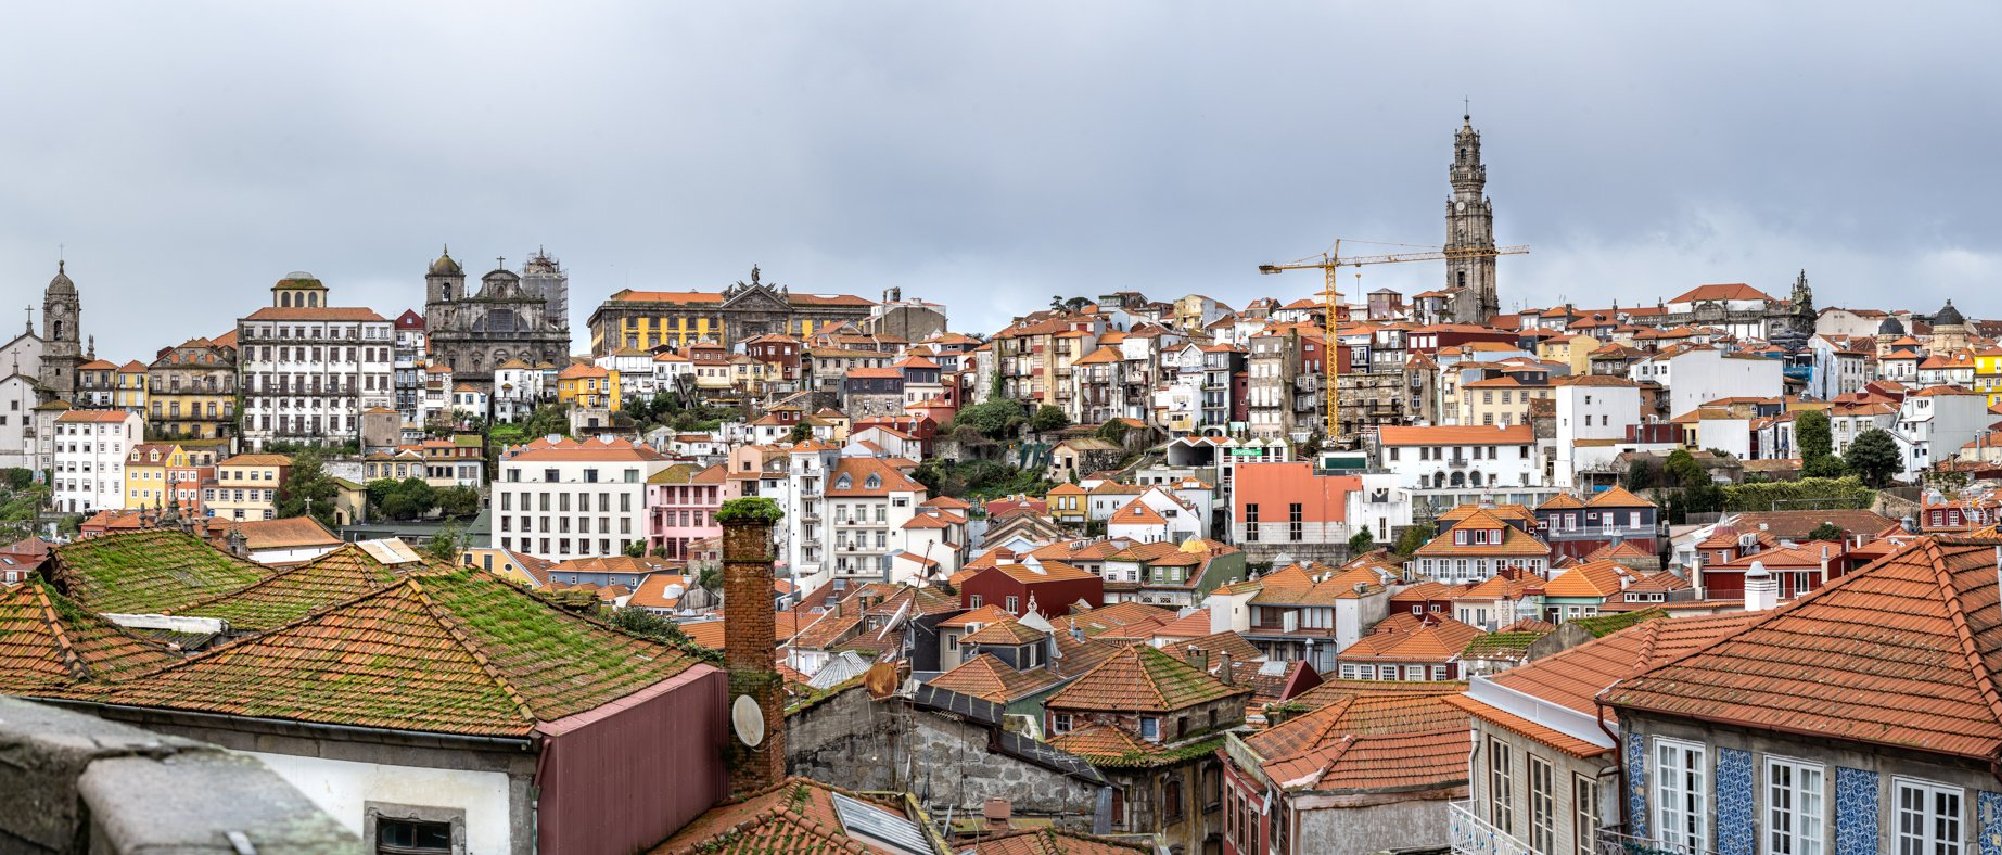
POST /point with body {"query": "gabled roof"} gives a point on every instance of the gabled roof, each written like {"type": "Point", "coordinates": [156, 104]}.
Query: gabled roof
{"type": "Point", "coordinates": [797, 816]}
{"type": "Point", "coordinates": [338, 576]}
{"type": "Point", "coordinates": [1901, 653]}
{"type": "Point", "coordinates": [151, 571]}
{"type": "Point", "coordinates": [1596, 579]}
{"type": "Point", "coordinates": [1141, 679]}
{"type": "Point", "coordinates": [990, 679]}
{"type": "Point", "coordinates": [48, 643]}
{"type": "Point", "coordinates": [1721, 291]}
{"type": "Point", "coordinates": [1617, 496]}
{"type": "Point", "coordinates": [1051, 841]}
{"type": "Point", "coordinates": [1436, 639]}
{"type": "Point", "coordinates": [459, 652]}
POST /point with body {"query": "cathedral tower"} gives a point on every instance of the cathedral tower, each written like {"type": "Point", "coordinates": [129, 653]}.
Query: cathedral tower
{"type": "Point", "coordinates": [61, 351]}
{"type": "Point", "coordinates": [1470, 228]}
{"type": "Point", "coordinates": [444, 282]}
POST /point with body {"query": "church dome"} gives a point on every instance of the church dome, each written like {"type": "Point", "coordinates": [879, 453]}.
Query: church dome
{"type": "Point", "coordinates": [62, 283]}
{"type": "Point", "coordinates": [1890, 326]}
{"type": "Point", "coordinates": [446, 266]}
{"type": "Point", "coordinates": [1948, 316]}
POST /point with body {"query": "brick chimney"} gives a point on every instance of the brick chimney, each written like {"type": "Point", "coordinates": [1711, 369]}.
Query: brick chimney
{"type": "Point", "coordinates": [749, 640]}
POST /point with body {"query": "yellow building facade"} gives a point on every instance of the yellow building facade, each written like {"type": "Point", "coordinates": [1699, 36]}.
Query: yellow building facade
{"type": "Point", "coordinates": [246, 487]}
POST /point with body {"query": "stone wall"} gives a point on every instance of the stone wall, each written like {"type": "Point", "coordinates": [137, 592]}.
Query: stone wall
{"type": "Point", "coordinates": [74, 783]}
{"type": "Point", "coordinates": [852, 741]}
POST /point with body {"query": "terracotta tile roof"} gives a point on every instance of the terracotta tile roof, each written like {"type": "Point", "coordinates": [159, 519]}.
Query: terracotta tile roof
{"type": "Point", "coordinates": [1623, 549]}
{"type": "Point", "coordinates": [49, 644]}
{"type": "Point", "coordinates": [338, 576]}
{"type": "Point", "coordinates": [1102, 744]}
{"type": "Point", "coordinates": [1192, 625]}
{"type": "Point", "coordinates": [566, 449]}
{"type": "Point", "coordinates": [1116, 615]}
{"type": "Point", "coordinates": [1901, 653]}
{"type": "Point", "coordinates": [652, 592]}
{"type": "Point", "coordinates": [1141, 679]}
{"type": "Point", "coordinates": [990, 679]}
{"type": "Point", "coordinates": [984, 615]}
{"type": "Point", "coordinates": [797, 816]}
{"type": "Point", "coordinates": [1617, 496]}
{"type": "Point", "coordinates": [1795, 525]}
{"type": "Point", "coordinates": [1051, 841]}
{"type": "Point", "coordinates": [1363, 714]}
{"type": "Point", "coordinates": [287, 533]}
{"type": "Point", "coordinates": [1213, 646]}
{"type": "Point", "coordinates": [708, 633]}
{"type": "Point", "coordinates": [1721, 291]}
{"type": "Point", "coordinates": [458, 652]}
{"type": "Point", "coordinates": [1436, 640]}
{"type": "Point", "coordinates": [1559, 502]}
{"type": "Point", "coordinates": [1573, 678]}
{"type": "Point", "coordinates": [1515, 541]}
{"type": "Point", "coordinates": [1539, 733]}
{"type": "Point", "coordinates": [313, 313]}
{"type": "Point", "coordinates": [1047, 571]}
{"type": "Point", "coordinates": [1658, 583]}
{"type": "Point", "coordinates": [1599, 579]}
{"type": "Point", "coordinates": [151, 571]}
{"type": "Point", "coordinates": [1008, 632]}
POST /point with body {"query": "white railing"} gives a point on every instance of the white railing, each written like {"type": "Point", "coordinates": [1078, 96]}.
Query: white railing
{"type": "Point", "coordinates": [1473, 835]}
{"type": "Point", "coordinates": [1611, 841]}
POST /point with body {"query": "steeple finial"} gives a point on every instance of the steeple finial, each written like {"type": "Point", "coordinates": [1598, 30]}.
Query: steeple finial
{"type": "Point", "coordinates": [1466, 111]}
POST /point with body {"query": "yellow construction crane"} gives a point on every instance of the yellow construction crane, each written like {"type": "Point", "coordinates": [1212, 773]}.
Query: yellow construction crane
{"type": "Point", "coordinates": [1332, 261]}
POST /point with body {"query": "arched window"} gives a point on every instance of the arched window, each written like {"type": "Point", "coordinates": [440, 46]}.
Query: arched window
{"type": "Point", "coordinates": [285, 299]}
{"type": "Point", "coordinates": [1459, 479]}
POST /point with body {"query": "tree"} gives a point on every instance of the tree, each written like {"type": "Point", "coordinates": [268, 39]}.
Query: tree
{"type": "Point", "coordinates": [1875, 456]}
{"type": "Point", "coordinates": [1640, 474]}
{"type": "Point", "coordinates": [447, 543]}
{"type": "Point", "coordinates": [800, 433]}
{"type": "Point", "coordinates": [1814, 436]}
{"type": "Point", "coordinates": [994, 419]}
{"type": "Point", "coordinates": [308, 491]}
{"type": "Point", "coordinates": [1683, 470]}
{"type": "Point", "coordinates": [407, 499]}
{"type": "Point", "coordinates": [1360, 542]}
{"type": "Point", "coordinates": [1113, 431]}
{"type": "Point", "coordinates": [547, 419]}
{"type": "Point", "coordinates": [1826, 531]}
{"type": "Point", "coordinates": [1048, 418]}
{"type": "Point", "coordinates": [459, 502]}
{"type": "Point", "coordinates": [636, 549]}
{"type": "Point", "coordinates": [1411, 538]}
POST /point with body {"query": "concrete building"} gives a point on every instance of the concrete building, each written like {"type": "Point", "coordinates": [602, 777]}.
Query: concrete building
{"type": "Point", "coordinates": [90, 451]}
{"type": "Point", "coordinates": [1694, 376]}
{"type": "Point", "coordinates": [309, 369]}
{"type": "Point", "coordinates": [561, 498]}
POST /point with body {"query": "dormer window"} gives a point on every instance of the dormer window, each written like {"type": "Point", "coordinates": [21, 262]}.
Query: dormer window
{"type": "Point", "coordinates": [843, 482]}
{"type": "Point", "coordinates": [873, 482]}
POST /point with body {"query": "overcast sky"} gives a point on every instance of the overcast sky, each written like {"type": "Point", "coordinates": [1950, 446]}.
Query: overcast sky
{"type": "Point", "coordinates": [987, 155]}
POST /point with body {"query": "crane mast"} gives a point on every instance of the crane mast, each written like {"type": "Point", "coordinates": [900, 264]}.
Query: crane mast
{"type": "Point", "coordinates": [1330, 264]}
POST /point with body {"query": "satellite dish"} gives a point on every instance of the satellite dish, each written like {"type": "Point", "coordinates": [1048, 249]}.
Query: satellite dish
{"type": "Point", "coordinates": [749, 720]}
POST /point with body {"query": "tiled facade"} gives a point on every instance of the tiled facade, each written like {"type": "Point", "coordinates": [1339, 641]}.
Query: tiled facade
{"type": "Point", "coordinates": [1855, 811]}
{"type": "Point", "coordinates": [1735, 803]}
{"type": "Point", "coordinates": [1636, 747]}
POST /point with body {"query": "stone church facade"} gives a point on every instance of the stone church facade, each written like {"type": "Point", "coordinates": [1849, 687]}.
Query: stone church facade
{"type": "Point", "coordinates": [647, 320]}
{"type": "Point", "coordinates": [512, 315]}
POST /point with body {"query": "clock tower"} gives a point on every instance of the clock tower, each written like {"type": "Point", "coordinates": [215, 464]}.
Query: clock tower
{"type": "Point", "coordinates": [1470, 229]}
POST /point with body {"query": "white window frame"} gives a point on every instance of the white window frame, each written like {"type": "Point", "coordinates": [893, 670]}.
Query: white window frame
{"type": "Point", "coordinates": [1682, 787]}
{"type": "Point", "coordinates": [1796, 800]}
{"type": "Point", "coordinates": [1501, 785]}
{"type": "Point", "coordinates": [1931, 834]}
{"type": "Point", "coordinates": [1585, 813]}
{"type": "Point", "coordinates": [1542, 804]}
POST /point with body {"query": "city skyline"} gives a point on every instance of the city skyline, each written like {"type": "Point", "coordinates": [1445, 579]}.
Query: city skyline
{"type": "Point", "coordinates": [1165, 150]}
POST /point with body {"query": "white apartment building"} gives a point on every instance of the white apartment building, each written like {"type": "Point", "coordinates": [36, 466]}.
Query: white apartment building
{"type": "Point", "coordinates": [90, 451]}
{"type": "Point", "coordinates": [17, 421]}
{"type": "Point", "coordinates": [560, 498]}
{"type": "Point", "coordinates": [1447, 465]}
{"type": "Point", "coordinates": [1595, 408]}
{"type": "Point", "coordinates": [309, 369]}
{"type": "Point", "coordinates": [1694, 376]}
{"type": "Point", "coordinates": [519, 388]}
{"type": "Point", "coordinates": [1935, 422]}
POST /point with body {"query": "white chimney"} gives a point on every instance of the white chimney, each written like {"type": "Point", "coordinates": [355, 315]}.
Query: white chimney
{"type": "Point", "coordinates": [1762, 591]}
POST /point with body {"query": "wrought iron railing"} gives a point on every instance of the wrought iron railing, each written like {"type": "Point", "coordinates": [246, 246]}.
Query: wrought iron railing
{"type": "Point", "coordinates": [1613, 841]}
{"type": "Point", "coordinates": [1473, 835]}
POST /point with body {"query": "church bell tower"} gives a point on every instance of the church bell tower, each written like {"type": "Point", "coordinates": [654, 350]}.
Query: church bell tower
{"type": "Point", "coordinates": [62, 352]}
{"type": "Point", "coordinates": [1470, 229]}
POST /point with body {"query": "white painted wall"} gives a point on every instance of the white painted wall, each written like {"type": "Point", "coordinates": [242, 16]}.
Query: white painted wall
{"type": "Point", "coordinates": [341, 787]}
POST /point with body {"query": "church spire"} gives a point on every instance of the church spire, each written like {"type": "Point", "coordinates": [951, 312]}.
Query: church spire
{"type": "Point", "coordinates": [1470, 236]}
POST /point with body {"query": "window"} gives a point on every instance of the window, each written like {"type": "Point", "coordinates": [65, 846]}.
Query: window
{"type": "Point", "coordinates": [1794, 807]}
{"type": "Point", "coordinates": [1062, 723]}
{"type": "Point", "coordinates": [1584, 813]}
{"type": "Point", "coordinates": [1928, 818]}
{"type": "Point", "coordinates": [1683, 789]}
{"type": "Point", "coordinates": [1150, 728]}
{"type": "Point", "coordinates": [973, 601]}
{"type": "Point", "coordinates": [405, 830]}
{"type": "Point", "coordinates": [1542, 806]}
{"type": "Point", "coordinates": [1251, 521]}
{"type": "Point", "coordinates": [1501, 787]}
{"type": "Point", "coordinates": [1293, 520]}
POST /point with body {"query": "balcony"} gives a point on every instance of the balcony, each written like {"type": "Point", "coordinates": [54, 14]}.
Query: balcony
{"type": "Point", "coordinates": [1473, 835]}
{"type": "Point", "coordinates": [1457, 463]}
{"type": "Point", "coordinates": [1610, 841]}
